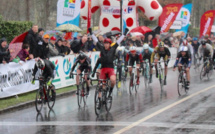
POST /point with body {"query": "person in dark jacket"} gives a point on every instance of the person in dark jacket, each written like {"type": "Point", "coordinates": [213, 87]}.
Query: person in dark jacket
{"type": "Point", "coordinates": [32, 39]}
{"type": "Point", "coordinates": [59, 46]}
{"type": "Point", "coordinates": [42, 48]}
{"type": "Point", "coordinates": [66, 49]}
{"type": "Point", "coordinates": [78, 45]}
{"type": "Point", "coordinates": [4, 51]}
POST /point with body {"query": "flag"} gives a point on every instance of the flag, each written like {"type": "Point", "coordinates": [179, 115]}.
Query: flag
{"type": "Point", "coordinates": [184, 16]}
{"type": "Point", "coordinates": [168, 16]}
{"type": "Point", "coordinates": [89, 15]}
{"type": "Point", "coordinates": [206, 23]}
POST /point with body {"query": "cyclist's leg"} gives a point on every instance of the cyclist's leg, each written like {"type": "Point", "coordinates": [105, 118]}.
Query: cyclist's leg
{"type": "Point", "coordinates": [79, 70]}
{"type": "Point", "coordinates": [112, 77]}
{"type": "Point", "coordinates": [156, 60]}
{"type": "Point", "coordinates": [138, 73]}
{"type": "Point", "coordinates": [131, 64]}
{"type": "Point", "coordinates": [88, 81]}
{"type": "Point", "coordinates": [103, 77]}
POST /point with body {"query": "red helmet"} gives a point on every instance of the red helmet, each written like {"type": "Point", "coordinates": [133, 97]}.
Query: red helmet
{"type": "Point", "coordinates": [107, 40]}
{"type": "Point", "coordinates": [53, 38]}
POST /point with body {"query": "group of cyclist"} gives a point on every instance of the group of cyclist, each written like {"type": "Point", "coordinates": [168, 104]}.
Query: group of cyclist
{"type": "Point", "coordinates": [112, 51]}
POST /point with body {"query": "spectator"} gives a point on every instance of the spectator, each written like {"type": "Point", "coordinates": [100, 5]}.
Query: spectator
{"type": "Point", "coordinates": [156, 40]}
{"type": "Point", "coordinates": [4, 51]}
{"type": "Point", "coordinates": [31, 39]}
{"type": "Point", "coordinates": [40, 32]}
{"type": "Point", "coordinates": [23, 54]}
{"type": "Point", "coordinates": [208, 40]}
{"type": "Point", "coordinates": [79, 36]}
{"type": "Point", "coordinates": [149, 40]}
{"type": "Point", "coordinates": [167, 42]}
{"type": "Point", "coordinates": [66, 48]}
{"type": "Point", "coordinates": [42, 48]}
{"type": "Point", "coordinates": [139, 42]}
{"type": "Point", "coordinates": [78, 45]}
{"type": "Point", "coordinates": [52, 48]}
{"type": "Point", "coordinates": [124, 42]}
{"type": "Point", "coordinates": [59, 46]}
{"type": "Point", "coordinates": [143, 38]}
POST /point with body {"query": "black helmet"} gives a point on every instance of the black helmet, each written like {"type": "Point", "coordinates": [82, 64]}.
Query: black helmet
{"type": "Point", "coordinates": [82, 56]}
{"type": "Point", "coordinates": [161, 44]}
{"type": "Point", "coordinates": [203, 42]}
{"type": "Point", "coordinates": [40, 63]}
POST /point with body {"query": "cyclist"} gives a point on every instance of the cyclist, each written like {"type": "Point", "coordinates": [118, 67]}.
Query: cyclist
{"type": "Point", "coordinates": [146, 53]}
{"type": "Point", "coordinates": [190, 48]}
{"type": "Point", "coordinates": [120, 54]}
{"type": "Point", "coordinates": [195, 45]}
{"type": "Point", "coordinates": [184, 57]}
{"type": "Point", "coordinates": [161, 51]}
{"type": "Point", "coordinates": [131, 57]}
{"type": "Point", "coordinates": [85, 65]}
{"type": "Point", "coordinates": [206, 51]}
{"type": "Point", "coordinates": [48, 72]}
{"type": "Point", "coordinates": [107, 58]}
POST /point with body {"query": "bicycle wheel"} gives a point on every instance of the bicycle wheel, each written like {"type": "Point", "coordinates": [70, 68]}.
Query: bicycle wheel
{"type": "Point", "coordinates": [108, 102]}
{"type": "Point", "coordinates": [97, 102]}
{"type": "Point", "coordinates": [136, 86]}
{"type": "Point", "coordinates": [51, 94]}
{"type": "Point", "coordinates": [161, 79]}
{"type": "Point", "coordinates": [210, 72]}
{"type": "Point", "coordinates": [131, 83]}
{"type": "Point", "coordinates": [146, 76]}
{"type": "Point", "coordinates": [202, 73]}
{"type": "Point", "coordinates": [39, 100]}
{"type": "Point", "coordinates": [181, 85]}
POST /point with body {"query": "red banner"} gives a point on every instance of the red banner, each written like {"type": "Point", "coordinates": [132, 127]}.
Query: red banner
{"type": "Point", "coordinates": [207, 20]}
{"type": "Point", "coordinates": [168, 16]}
{"type": "Point", "coordinates": [89, 15]}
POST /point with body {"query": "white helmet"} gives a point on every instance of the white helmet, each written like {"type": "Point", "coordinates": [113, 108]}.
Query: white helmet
{"type": "Point", "coordinates": [40, 63]}
{"type": "Point", "coordinates": [184, 49]}
{"type": "Point", "coordinates": [146, 46]}
{"type": "Point", "coordinates": [132, 49]}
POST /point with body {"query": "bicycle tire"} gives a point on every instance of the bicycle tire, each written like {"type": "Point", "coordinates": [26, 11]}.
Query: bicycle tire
{"type": "Point", "coordinates": [39, 100]}
{"type": "Point", "coordinates": [161, 79]}
{"type": "Point", "coordinates": [130, 85]}
{"type": "Point", "coordinates": [202, 72]}
{"type": "Point", "coordinates": [146, 76]}
{"type": "Point", "coordinates": [210, 72]}
{"type": "Point", "coordinates": [181, 87]}
{"type": "Point", "coordinates": [97, 101]}
{"type": "Point", "coordinates": [136, 86]}
{"type": "Point", "coordinates": [108, 103]}
{"type": "Point", "coordinates": [51, 95]}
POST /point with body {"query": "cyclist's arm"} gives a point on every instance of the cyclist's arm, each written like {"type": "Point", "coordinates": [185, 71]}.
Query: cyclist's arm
{"type": "Point", "coordinates": [97, 64]}
{"type": "Point", "coordinates": [177, 59]}
{"type": "Point", "coordinates": [199, 51]}
{"type": "Point", "coordinates": [73, 67]}
{"type": "Point", "coordinates": [35, 70]}
{"type": "Point", "coordinates": [120, 39]}
{"type": "Point", "coordinates": [211, 51]}
{"type": "Point", "coordinates": [152, 57]}
{"type": "Point", "coordinates": [168, 52]}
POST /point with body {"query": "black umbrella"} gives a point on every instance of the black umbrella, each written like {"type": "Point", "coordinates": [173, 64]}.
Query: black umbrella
{"type": "Point", "coordinates": [112, 33]}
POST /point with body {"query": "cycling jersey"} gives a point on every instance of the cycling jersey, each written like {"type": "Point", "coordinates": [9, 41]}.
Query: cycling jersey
{"type": "Point", "coordinates": [130, 59]}
{"type": "Point", "coordinates": [86, 65]}
{"type": "Point", "coordinates": [158, 54]}
{"type": "Point", "coordinates": [48, 71]}
{"type": "Point", "coordinates": [196, 47]}
{"type": "Point", "coordinates": [205, 52]}
{"type": "Point", "coordinates": [183, 59]}
{"type": "Point", "coordinates": [147, 55]}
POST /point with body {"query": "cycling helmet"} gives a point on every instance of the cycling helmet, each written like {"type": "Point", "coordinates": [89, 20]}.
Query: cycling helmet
{"type": "Point", "coordinates": [161, 44]}
{"type": "Point", "coordinates": [132, 49]}
{"type": "Point", "coordinates": [82, 56]}
{"type": "Point", "coordinates": [184, 49]}
{"type": "Point", "coordinates": [203, 42]}
{"type": "Point", "coordinates": [185, 43]}
{"type": "Point", "coordinates": [146, 46]}
{"type": "Point", "coordinates": [195, 39]}
{"type": "Point", "coordinates": [40, 63]}
{"type": "Point", "coordinates": [107, 40]}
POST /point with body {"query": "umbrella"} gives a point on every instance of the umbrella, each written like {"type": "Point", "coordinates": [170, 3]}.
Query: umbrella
{"type": "Point", "coordinates": [165, 35]}
{"type": "Point", "coordinates": [136, 34]}
{"type": "Point", "coordinates": [54, 33]}
{"type": "Point", "coordinates": [176, 34]}
{"type": "Point", "coordinates": [112, 33]}
{"type": "Point", "coordinates": [19, 39]}
{"type": "Point", "coordinates": [68, 28]}
{"type": "Point", "coordinates": [141, 29]}
{"type": "Point", "coordinates": [16, 44]}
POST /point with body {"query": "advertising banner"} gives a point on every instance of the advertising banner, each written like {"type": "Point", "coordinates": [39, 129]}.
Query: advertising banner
{"type": "Point", "coordinates": [184, 17]}
{"type": "Point", "coordinates": [168, 16]}
{"type": "Point", "coordinates": [68, 11]}
{"type": "Point", "coordinates": [206, 23]}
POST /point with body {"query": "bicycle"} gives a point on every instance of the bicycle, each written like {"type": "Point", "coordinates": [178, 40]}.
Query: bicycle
{"type": "Point", "coordinates": [133, 79]}
{"type": "Point", "coordinates": [182, 81]}
{"type": "Point", "coordinates": [44, 95]}
{"type": "Point", "coordinates": [160, 75]}
{"type": "Point", "coordinates": [207, 69]}
{"type": "Point", "coordinates": [120, 68]}
{"type": "Point", "coordinates": [146, 72]}
{"type": "Point", "coordinates": [102, 101]}
{"type": "Point", "coordinates": [81, 93]}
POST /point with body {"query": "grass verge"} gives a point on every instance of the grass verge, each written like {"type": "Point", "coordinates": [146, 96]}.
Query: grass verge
{"type": "Point", "coordinates": [30, 96]}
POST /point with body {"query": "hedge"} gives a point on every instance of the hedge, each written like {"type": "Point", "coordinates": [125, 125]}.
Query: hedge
{"type": "Point", "coordinates": [11, 29]}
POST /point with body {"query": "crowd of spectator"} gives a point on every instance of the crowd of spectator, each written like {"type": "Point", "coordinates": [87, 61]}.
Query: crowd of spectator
{"type": "Point", "coordinates": [36, 44]}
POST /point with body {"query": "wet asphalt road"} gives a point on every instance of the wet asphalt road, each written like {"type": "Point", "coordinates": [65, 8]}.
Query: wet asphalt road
{"type": "Point", "coordinates": [150, 111]}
